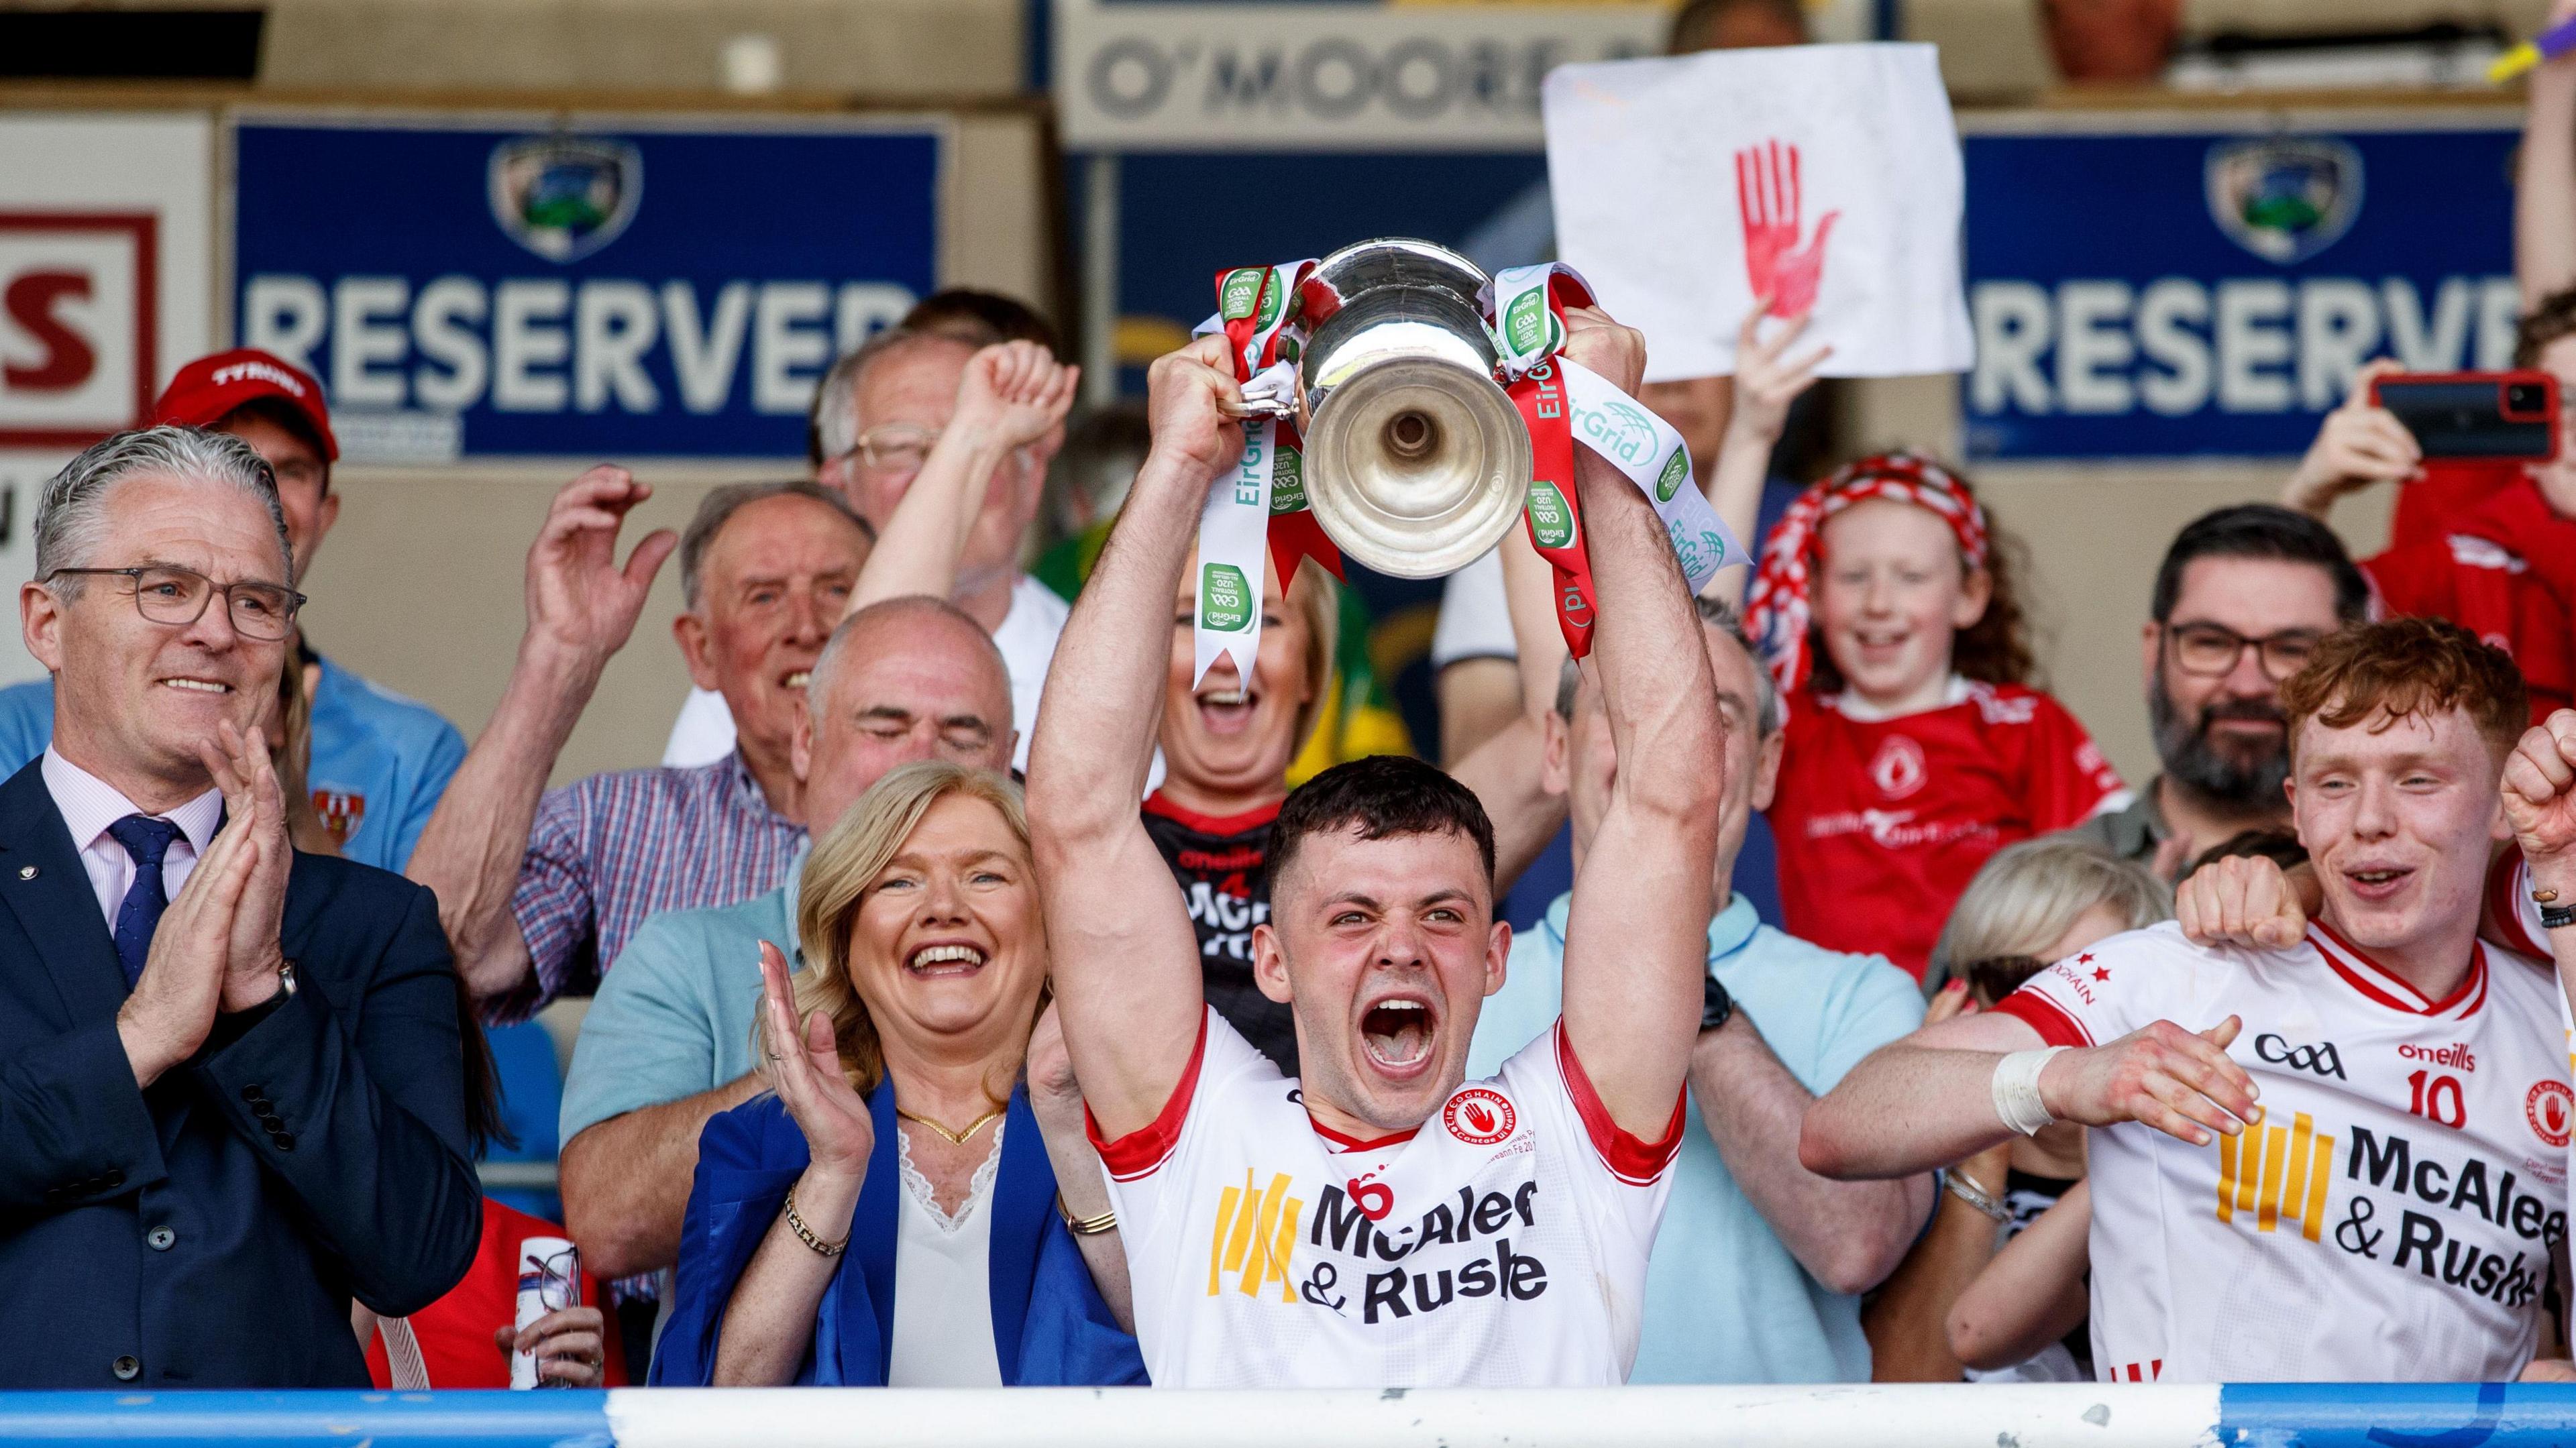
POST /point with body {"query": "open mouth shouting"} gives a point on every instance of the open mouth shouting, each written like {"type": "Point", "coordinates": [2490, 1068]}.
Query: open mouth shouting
{"type": "Point", "coordinates": [945, 960]}
{"type": "Point", "coordinates": [1397, 1034]}
{"type": "Point", "coordinates": [1226, 710]}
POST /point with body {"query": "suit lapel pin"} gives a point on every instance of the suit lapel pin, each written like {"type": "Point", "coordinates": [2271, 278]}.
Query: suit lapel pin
{"type": "Point", "coordinates": [26, 872]}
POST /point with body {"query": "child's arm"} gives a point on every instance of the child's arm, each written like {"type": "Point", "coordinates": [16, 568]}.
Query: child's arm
{"type": "Point", "coordinates": [1767, 380]}
{"type": "Point", "coordinates": [2032, 1294]}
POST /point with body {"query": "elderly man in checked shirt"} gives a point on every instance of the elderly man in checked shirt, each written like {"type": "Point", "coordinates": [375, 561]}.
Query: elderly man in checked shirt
{"type": "Point", "coordinates": [540, 890]}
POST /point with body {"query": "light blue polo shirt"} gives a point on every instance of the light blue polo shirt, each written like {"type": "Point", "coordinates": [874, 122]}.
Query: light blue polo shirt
{"type": "Point", "coordinates": [674, 1013]}
{"type": "Point", "coordinates": [1725, 1300]}
{"type": "Point", "coordinates": [380, 761]}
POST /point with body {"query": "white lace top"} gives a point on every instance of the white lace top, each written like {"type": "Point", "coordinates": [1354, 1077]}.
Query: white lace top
{"type": "Point", "coordinates": [943, 1299]}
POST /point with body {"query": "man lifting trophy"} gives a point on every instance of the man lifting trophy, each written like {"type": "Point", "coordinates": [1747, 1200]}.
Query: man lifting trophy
{"type": "Point", "coordinates": [1381, 1220]}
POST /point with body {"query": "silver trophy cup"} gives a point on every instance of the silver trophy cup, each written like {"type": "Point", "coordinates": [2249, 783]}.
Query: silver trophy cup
{"type": "Point", "coordinates": [1416, 461]}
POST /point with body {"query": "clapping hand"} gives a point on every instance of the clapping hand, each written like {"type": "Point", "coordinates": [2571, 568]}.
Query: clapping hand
{"type": "Point", "coordinates": [804, 1066]}
{"type": "Point", "coordinates": [1014, 393]}
{"type": "Point", "coordinates": [248, 778]}
{"type": "Point", "coordinates": [578, 598]}
{"type": "Point", "coordinates": [186, 974]}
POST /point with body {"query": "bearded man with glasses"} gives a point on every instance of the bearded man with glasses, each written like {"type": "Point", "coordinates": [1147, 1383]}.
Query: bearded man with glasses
{"type": "Point", "coordinates": [2241, 600]}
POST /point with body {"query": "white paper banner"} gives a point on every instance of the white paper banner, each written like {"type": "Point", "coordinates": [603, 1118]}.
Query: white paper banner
{"type": "Point", "coordinates": [1234, 539]}
{"type": "Point", "coordinates": [1822, 175]}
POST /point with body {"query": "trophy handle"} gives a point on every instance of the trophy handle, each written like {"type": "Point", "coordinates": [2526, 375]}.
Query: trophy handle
{"type": "Point", "coordinates": [1277, 407]}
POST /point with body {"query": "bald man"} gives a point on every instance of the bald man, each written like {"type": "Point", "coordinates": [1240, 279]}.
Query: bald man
{"type": "Point", "coordinates": [667, 1044]}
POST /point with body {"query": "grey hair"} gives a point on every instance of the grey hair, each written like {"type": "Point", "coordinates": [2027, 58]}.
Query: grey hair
{"type": "Point", "coordinates": [1721, 616]}
{"type": "Point", "coordinates": [717, 508]}
{"type": "Point", "coordinates": [71, 515]}
{"type": "Point", "coordinates": [832, 426]}
{"type": "Point", "coordinates": [818, 680]}
{"type": "Point", "coordinates": [2030, 894]}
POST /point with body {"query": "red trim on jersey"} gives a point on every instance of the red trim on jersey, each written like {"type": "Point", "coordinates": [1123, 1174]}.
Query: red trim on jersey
{"type": "Point", "coordinates": [2507, 884]}
{"type": "Point", "coordinates": [2045, 1016]}
{"type": "Point", "coordinates": [1352, 1143]}
{"type": "Point", "coordinates": [1632, 1160]}
{"type": "Point", "coordinates": [1233, 824]}
{"type": "Point", "coordinates": [2378, 983]}
{"type": "Point", "coordinates": [1149, 1146]}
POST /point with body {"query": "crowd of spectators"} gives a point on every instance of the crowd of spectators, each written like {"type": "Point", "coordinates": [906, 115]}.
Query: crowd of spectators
{"type": "Point", "coordinates": [967, 955]}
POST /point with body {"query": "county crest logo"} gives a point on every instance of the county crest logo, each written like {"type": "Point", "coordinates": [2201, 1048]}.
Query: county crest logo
{"type": "Point", "coordinates": [2548, 1108]}
{"type": "Point", "coordinates": [2284, 198]}
{"type": "Point", "coordinates": [1899, 768]}
{"type": "Point", "coordinates": [564, 197]}
{"type": "Point", "coordinates": [1479, 1117]}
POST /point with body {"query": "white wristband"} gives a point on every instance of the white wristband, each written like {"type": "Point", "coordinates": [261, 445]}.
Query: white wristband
{"type": "Point", "coordinates": [2016, 1088]}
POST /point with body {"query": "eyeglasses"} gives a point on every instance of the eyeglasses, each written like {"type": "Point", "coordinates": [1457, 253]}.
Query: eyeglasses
{"type": "Point", "coordinates": [2211, 650]}
{"type": "Point", "coordinates": [178, 597]}
{"type": "Point", "coordinates": [894, 447]}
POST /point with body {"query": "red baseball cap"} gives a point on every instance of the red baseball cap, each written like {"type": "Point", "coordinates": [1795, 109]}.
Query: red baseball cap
{"type": "Point", "coordinates": [208, 389]}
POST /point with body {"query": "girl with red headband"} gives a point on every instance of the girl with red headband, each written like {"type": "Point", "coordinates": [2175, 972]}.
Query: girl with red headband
{"type": "Point", "coordinates": [1884, 609]}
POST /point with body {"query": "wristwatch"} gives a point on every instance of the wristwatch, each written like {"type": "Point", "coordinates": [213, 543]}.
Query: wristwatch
{"type": "Point", "coordinates": [1715, 1005]}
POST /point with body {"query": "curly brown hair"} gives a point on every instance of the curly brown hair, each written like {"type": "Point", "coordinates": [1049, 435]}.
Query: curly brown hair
{"type": "Point", "coordinates": [2409, 666]}
{"type": "Point", "coordinates": [1993, 650]}
{"type": "Point", "coordinates": [2553, 317]}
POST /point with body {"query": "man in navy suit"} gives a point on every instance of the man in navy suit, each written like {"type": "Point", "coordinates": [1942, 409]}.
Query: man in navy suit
{"type": "Point", "coordinates": [231, 1087]}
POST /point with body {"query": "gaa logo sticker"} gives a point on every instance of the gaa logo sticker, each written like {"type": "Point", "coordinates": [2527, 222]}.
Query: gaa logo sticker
{"type": "Point", "coordinates": [1551, 521]}
{"type": "Point", "coordinates": [1899, 769]}
{"type": "Point", "coordinates": [1479, 1117]}
{"type": "Point", "coordinates": [1225, 600]}
{"type": "Point", "coordinates": [1529, 328]}
{"type": "Point", "coordinates": [1287, 480]}
{"type": "Point", "coordinates": [2549, 1107]}
{"type": "Point", "coordinates": [1239, 293]}
{"type": "Point", "coordinates": [1674, 471]}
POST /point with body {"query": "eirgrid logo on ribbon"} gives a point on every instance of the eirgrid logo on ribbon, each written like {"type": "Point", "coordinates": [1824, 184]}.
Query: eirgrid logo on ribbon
{"type": "Point", "coordinates": [1256, 310]}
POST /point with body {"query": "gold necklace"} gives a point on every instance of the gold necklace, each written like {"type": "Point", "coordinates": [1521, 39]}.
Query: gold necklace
{"type": "Point", "coordinates": [958, 1138]}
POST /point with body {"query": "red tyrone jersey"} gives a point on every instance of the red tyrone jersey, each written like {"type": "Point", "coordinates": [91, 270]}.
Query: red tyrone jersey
{"type": "Point", "coordinates": [1880, 823]}
{"type": "Point", "coordinates": [2504, 569]}
{"type": "Point", "coordinates": [453, 1335]}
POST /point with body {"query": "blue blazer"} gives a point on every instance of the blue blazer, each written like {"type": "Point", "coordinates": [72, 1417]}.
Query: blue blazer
{"type": "Point", "coordinates": [1050, 1326]}
{"type": "Point", "coordinates": [210, 1231]}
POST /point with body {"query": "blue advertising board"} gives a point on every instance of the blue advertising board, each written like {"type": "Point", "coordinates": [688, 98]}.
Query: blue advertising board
{"type": "Point", "coordinates": [619, 289]}
{"type": "Point", "coordinates": [2208, 291]}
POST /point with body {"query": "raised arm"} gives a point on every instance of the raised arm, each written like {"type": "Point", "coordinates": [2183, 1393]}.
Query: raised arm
{"type": "Point", "coordinates": [2540, 802]}
{"type": "Point", "coordinates": [1767, 380]}
{"type": "Point", "coordinates": [1636, 942]}
{"type": "Point", "coordinates": [1505, 771]}
{"type": "Point", "coordinates": [581, 609]}
{"type": "Point", "coordinates": [1126, 963]}
{"type": "Point", "coordinates": [1929, 1100]}
{"type": "Point", "coordinates": [2544, 194]}
{"type": "Point", "coordinates": [1013, 394]}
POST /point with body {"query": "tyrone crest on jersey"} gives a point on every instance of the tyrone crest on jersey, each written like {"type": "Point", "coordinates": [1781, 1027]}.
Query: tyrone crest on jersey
{"type": "Point", "coordinates": [1898, 770]}
{"type": "Point", "coordinates": [1479, 1117]}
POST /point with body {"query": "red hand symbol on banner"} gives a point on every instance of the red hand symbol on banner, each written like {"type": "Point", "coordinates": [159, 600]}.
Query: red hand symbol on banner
{"type": "Point", "coordinates": [1767, 191]}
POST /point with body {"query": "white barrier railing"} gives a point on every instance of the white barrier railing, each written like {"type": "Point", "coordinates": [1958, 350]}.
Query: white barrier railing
{"type": "Point", "coordinates": [2367, 1415]}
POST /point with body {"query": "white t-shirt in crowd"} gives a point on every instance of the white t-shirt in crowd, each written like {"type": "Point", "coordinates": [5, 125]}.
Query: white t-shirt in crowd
{"type": "Point", "coordinates": [703, 733]}
{"type": "Point", "coordinates": [2392, 1215]}
{"type": "Point", "coordinates": [1502, 1243]}
{"type": "Point", "coordinates": [1475, 618]}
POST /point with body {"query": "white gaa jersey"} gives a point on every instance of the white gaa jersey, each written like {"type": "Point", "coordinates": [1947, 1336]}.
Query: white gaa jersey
{"type": "Point", "coordinates": [2393, 1214]}
{"type": "Point", "coordinates": [1502, 1243]}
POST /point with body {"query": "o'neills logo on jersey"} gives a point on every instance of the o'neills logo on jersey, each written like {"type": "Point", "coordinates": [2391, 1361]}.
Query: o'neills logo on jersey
{"type": "Point", "coordinates": [2456, 1056]}
{"type": "Point", "coordinates": [1479, 1117]}
{"type": "Point", "coordinates": [2276, 1176]}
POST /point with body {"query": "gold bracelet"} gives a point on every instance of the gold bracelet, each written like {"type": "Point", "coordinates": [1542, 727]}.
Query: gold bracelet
{"type": "Point", "coordinates": [805, 1234]}
{"type": "Point", "coordinates": [1085, 1226]}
